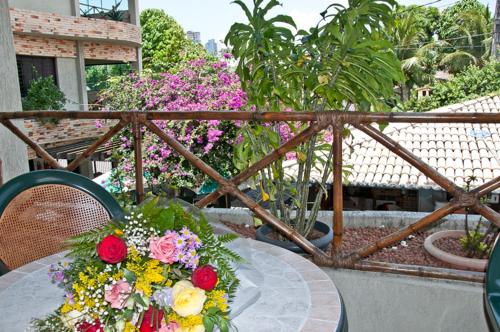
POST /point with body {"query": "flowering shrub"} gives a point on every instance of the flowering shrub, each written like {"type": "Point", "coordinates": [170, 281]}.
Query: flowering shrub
{"type": "Point", "coordinates": [158, 270]}
{"type": "Point", "coordinates": [198, 86]}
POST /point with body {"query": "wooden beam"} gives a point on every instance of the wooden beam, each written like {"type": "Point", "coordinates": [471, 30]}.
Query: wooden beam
{"type": "Point", "coordinates": [412, 159]}
{"type": "Point", "coordinates": [264, 162]}
{"type": "Point", "coordinates": [91, 149]}
{"type": "Point", "coordinates": [335, 117]}
{"type": "Point", "coordinates": [38, 150]}
{"type": "Point", "coordinates": [405, 232]}
{"type": "Point", "coordinates": [139, 173]}
{"type": "Point", "coordinates": [232, 189]}
{"type": "Point", "coordinates": [338, 207]}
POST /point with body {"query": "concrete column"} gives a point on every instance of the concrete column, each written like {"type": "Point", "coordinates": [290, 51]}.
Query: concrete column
{"type": "Point", "coordinates": [12, 150]}
{"type": "Point", "coordinates": [133, 9]}
{"type": "Point", "coordinates": [80, 77]}
{"type": "Point", "coordinates": [80, 65]}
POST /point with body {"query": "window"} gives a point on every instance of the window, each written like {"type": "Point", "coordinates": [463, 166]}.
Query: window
{"type": "Point", "coordinates": [31, 67]}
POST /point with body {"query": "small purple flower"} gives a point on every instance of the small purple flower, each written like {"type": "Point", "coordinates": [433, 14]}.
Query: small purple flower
{"type": "Point", "coordinates": [163, 297]}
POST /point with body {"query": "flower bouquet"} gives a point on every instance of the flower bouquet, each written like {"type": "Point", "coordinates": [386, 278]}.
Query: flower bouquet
{"type": "Point", "coordinates": [159, 269]}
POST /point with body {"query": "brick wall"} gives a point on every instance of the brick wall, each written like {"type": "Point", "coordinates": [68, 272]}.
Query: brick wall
{"type": "Point", "coordinates": [61, 48]}
{"type": "Point", "coordinates": [28, 22]}
{"type": "Point", "coordinates": [108, 51]}
{"type": "Point", "coordinates": [40, 46]}
{"type": "Point", "coordinates": [63, 133]}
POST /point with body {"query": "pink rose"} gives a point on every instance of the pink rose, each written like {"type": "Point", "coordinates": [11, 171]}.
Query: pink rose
{"type": "Point", "coordinates": [117, 294]}
{"type": "Point", "coordinates": [163, 248]}
{"type": "Point", "coordinates": [171, 327]}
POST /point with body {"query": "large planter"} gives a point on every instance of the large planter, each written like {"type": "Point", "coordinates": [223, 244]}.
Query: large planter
{"type": "Point", "coordinates": [458, 261]}
{"type": "Point", "coordinates": [321, 242]}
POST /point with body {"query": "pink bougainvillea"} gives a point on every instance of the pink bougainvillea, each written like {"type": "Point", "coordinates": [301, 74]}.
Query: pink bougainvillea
{"type": "Point", "coordinates": [197, 86]}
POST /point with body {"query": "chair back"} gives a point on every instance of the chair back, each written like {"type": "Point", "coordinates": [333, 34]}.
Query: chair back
{"type": "Point", "coordinates": [41, 209]}
{"type": "Point", "coordinates": [492, 288]}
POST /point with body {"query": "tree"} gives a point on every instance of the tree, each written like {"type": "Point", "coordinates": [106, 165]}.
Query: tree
{"type": "Point", "coordinates": [346, 60]}
{"type": "Point", "coordinates": [470, 83]}
{"type": "Point", "coordinates": [164, 42]}
{"type": "Point", "coordinates": [417, 61]}
{"type": "Point", "coordinates": [465, 29]}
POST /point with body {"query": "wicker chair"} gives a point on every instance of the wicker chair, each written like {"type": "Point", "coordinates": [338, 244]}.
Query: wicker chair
{"type": "Point", "coordinates": [492, 289]}
{"type": "Point", "coordinates": [40, 209]}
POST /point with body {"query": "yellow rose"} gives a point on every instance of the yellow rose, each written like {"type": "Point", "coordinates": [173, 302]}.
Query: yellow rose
{"type": "Point", "coordinates": [188, 300]}
{"type": "Point", "coordinates": [196, 328]}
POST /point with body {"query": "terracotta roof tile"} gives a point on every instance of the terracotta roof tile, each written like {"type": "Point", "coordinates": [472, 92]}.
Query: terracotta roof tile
{"type": "Point", "coordinates": [456, 150]}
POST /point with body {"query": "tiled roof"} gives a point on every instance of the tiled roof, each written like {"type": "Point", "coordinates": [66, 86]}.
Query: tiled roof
{"type": "Point", "coordinates": [456, 150]}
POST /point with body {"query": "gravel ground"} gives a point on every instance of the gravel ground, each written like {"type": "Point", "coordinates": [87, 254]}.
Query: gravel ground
{"type": "Point", "coordinates": [410, 251]}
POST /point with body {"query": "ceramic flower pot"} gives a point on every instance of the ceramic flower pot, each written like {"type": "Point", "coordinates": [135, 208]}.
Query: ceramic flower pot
{"type": "Point", "coordinates": [458, 261]}
{"type": "Point", "coordinates": [322, 242]}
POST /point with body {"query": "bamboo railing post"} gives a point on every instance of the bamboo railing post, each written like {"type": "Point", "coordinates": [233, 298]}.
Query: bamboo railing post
{"type": "Point", "coordinates": [405, 232]}
{"type": "Point", "coordinates": [38, 150]}
{"type": "Point", "coordinates": [264, 162]}
{"type": "Point", "coordinates": [90, 150]}
{"type": "Point", "coordinates": [139, 173]}
{"type": "Point", "coordinates": [487, 187]}
{"type": "Point", "coordinates": [338, 222]}
{"type": "Point", "coordinates": [233, 189]}
{"type": "Point", "coordinates": [412, 159]}
{"type": "Point", "coordinates": [487, 212]}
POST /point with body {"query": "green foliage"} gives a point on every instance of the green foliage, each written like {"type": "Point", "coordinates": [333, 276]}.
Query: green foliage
{"type": "Point", "coordinates": [473, 242]}
{"type": "Point", "coordinates": [164, 42]}
{"type": "Point", "coordinates": [471, 83]}
{"type": "Point", "coordinates": [447, 25]}
{"type": "Point", "coordinates": [50, 323]}
{"type": "Point", "coordinates": [43, 94]}
{"type": "Point", "coordinates": [98, 76]}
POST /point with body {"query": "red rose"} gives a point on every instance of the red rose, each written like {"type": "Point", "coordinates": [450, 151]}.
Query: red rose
{"type": "Point", "coordinates": [152, 318]}
{"type": "Point", "coordinates": [91, 327]}
{"type": "Point", "coordinates": [112, 249]}
{"type": "Point", "coordinates": [204, 277]}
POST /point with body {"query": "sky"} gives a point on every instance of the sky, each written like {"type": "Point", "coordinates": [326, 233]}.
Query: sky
{"type": "Point", "coordinates": [213, 18]}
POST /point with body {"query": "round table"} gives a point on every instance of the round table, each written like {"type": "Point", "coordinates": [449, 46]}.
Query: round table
{"type": "Point", "coordinates": [280, 291]}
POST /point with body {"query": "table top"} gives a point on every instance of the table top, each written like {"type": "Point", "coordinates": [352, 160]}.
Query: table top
{"type": "Point", "coordinates": [285, 291]}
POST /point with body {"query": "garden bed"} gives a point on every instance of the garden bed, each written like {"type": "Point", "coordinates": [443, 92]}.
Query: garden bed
{"type": "Point", "coordinates": [410, 251]}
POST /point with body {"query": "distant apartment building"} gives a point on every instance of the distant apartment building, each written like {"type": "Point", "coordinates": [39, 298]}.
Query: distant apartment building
{"type": "Point", "coordinates": [195, 36]}
{"type": "Point", "coordinates": [211, 47]}
{"type": "Point", "coordinates": [59, 38]}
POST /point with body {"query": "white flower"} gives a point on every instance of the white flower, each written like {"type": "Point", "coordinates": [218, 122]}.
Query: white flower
{"type": "Point", "coordinates": [71, 318]}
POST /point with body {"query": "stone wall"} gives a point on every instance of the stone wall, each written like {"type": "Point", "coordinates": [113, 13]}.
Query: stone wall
{"type": "Point", "coordinates": [354, 218]}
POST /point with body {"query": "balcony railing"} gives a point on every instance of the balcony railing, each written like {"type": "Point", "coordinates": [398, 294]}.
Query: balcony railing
{"type": "Point", "coordinates": [318, 121]}
{"type": "Point", "coordinates": [115, 10]}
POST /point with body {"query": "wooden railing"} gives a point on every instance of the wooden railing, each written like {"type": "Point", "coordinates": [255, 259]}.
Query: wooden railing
{"type": "Point", "coordinates": [317, 122]}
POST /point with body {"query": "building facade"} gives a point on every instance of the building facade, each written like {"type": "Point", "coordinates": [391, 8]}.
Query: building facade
{"type": "Point", "coordinates": [211, 47]}
{"type": "Point", "coordinates": [195, 36]}
{"type": "Point", "coordinates": [59, 38]}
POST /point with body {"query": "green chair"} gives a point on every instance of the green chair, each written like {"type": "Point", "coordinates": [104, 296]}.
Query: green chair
{"type": "Point", "coordinates": [492, 289]}
{"type": "Point", "coordinates": [41, 209]}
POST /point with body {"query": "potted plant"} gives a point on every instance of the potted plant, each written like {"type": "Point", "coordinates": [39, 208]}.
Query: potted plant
{"type": "Point", "coordinates": [44, 94]}
{"type": "Point", "coordinates": [476, 243]}
{"type": "Point", "coordinates": [344, 63]}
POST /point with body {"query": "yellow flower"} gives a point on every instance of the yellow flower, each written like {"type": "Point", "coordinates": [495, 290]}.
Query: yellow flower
{"type": "Point", "coordinates": [118, 232]}
{"type": "Point", "coordinates": [188, 300]}
{"type": "Point", "coordinates": [196, 328]}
